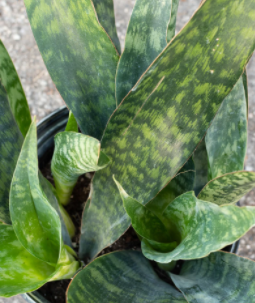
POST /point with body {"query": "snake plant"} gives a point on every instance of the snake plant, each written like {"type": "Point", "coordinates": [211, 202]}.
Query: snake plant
{"type": "Point", "coordinates": [163, 125]}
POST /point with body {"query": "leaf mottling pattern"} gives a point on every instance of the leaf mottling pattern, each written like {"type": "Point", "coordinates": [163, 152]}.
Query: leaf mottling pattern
{"type": "Point", "coordinates": [80, 58]}
{"type": "Point", "coordinates": [16, 95]}
{"type": "Point", "coordinates": [172, 23]}
{"type": "Point", "coordinates": [145, 39]}
{"type": "Point", "coordinates": [226, 139]}
{"type": "Point", "coordinates": [220, 277]}
{"type": "Point", "coordinates": [20, 272]}
{"type": "Point", "coordinates": [35, 221]}
{"type": "Point", "coordinates": [10, 145]}
{"type": "Point", "coordinates": [124, 276]}
{"type": "Point", "coordinates": [105, 13]}
{"type": "Point", "coordinates": [229, 188]}
{"type": "Point", "coordinates": [204, 227]}
{"type": "Point", "coordinates": [159, 124]}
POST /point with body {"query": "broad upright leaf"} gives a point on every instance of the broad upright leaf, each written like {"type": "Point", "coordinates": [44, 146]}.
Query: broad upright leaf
{"type": "Point", "coordinates": [20, 271]}
{"type": "Point", "coordinates": [75, 154]}
{"type": "Point", "coordinates": [172, 23]}
{"type": "Point", "coordinates": [226, 139]}
{"type": "Point", "coordinates": [159, 124]}
{"type": "Point", "coordinates": [80, 58]}
{"type": "Point", "coordinates": [105, 13]}
{"type": "Point", "coordinates": [203, 227]}
{"type": "Point", "coordinates": [35, 222]}
{"type": "Point", "coordinates": [145, 39]}
{"type": "Point", "coordinates": [10, 145]}
{"type": "Point", "coordinates": [220, 277]}
{"type": "Point", "coordinates": [71, 125]}
{"type": "Point", "coordinates": [124, 276]}
{"type": "Point", "coordinates": [16, 96]}
{"type": "Point", "coordinates": [229, 188]}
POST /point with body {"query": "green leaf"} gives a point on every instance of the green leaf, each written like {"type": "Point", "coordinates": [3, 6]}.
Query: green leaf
{"type": "Point", "coordinates": [16, 96]}
{"type": "Point", "coordinates": [200, 158]}
{"type": "Point", "coordinates": [105, 13]}
{"type": "Point", "coordinates": [124, 276]}
{"type": "Point", "coordinates": [71, 125]}
{"type": "Point", "coordinates": [35, 221]}
{"type": "Point", "coordinates": [226, 139]}
{"type": "Point", "coordinates": [10, 145]}
{"type": "Point", "coordinates": [229, 188]}
{"type": "Point", "coordinates": [74, 155]}
{"type": "Point", "coordinates": [159, 124]}
{"type": "Point", "coordinates": [180, 184]}
{"type": "Point", "coordinates": [145, 39]}
{"type": "Point", "coordinates": [80, 58]}
{"type": "Point", "coordinates": [172, 23]}
{"type": "Point", "coordinates": [20, 271]}
{"type": "Point", "coordinates": [221, 277]}
{"type": "Point", "coordinates": [203, 226]}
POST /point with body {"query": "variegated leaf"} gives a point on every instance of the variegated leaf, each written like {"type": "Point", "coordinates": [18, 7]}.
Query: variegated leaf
{"type": "Point", "coordinates": [229, 188]}
{"type": "Point", "coordinates": [220, 277]}
{"type": "Point", "coordinates": [35, 222]}
{"type": "Point", "coordinates": [74, 155]}
{"type": "Point", "coordinates": [145, 39]}
{"type": "Point", "coordinates": [203, 228]}
{"type": "Point", "coordinates": [105, 13]}
{"type": "Point", "coordinates": [16, 96]}
{"type": "Point", "coordinates": [172, 22]}
{"type": "Point", "coordinates": [226, 139]}
{"type": "Point", "coordinates": [80, 58]}
{"type": "Point", "coordinates": [124, 276]}
{"type": "Point", "coordinates": [71, 125]}
{"type": "Point", "coordinates": [10, 145]}
{"type": "Point", "coordinates": [160, 123]}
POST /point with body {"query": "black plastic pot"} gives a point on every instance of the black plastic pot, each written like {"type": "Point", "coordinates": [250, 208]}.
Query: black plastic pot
{"type": "Point", "coordinates": [46, 130]}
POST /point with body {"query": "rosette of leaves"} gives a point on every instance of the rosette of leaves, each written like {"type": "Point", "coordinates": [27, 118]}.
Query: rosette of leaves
{"type": "Point", "coordinates": [164, 124]}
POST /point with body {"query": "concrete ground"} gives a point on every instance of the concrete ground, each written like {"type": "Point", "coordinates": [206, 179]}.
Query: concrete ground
{"type": "Point", "coordinates": [43, 97]}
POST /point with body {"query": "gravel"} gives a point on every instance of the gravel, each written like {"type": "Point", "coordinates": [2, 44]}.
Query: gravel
{"type": "Point", "coordinates": [43, 97]}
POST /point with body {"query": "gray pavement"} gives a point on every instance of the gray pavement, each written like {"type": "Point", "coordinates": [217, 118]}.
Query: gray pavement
{"type": "Point", "coordinates": [43, 97]}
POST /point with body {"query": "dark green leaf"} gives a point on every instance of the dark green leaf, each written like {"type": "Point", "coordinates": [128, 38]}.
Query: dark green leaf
{"type": "Point", "coordinates": [229, 188]}
{"type": "Point", "coordinates": [16, 95]}
{"type": "Point", "coordinates": [221, 277]}
{"type": "Point", "coordinates": [72, 125]}
{"type": "Point", "coordinates": [35, 221]}
{"type": "Point", "coordinates": [75, 154]}
{"type": "Point", "coordinates": [124, 276]}
{"type": "Point", "coordinates": [80, 58]}
{"type": "Point", "coordinates": [160, 123]}
{"type": "Point", "coordinates": [20, 272]}
{"type": "Point", "coordinates": [226, 139]}
{"type": "Point", "coordinates": [105, 13]}
{"type": "Point", "coordinates": [203, 227]}
{"type": "Point", "coordinates": [10, 145]}
{"type": "Point", "coordinates": [145, 39]}
{"type": "Point", "coordinates": [172, 23]}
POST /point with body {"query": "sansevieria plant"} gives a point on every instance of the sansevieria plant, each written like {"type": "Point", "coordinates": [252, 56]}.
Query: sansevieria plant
{"type": "Point", "coordinates": [164, 125]}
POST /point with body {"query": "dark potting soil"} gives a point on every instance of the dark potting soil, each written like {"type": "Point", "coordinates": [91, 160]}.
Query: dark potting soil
{"type": "Point", "coordinates": [55, 292]}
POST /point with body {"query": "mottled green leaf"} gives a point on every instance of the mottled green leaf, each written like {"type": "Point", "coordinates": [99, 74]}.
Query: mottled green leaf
{"type": "Point", "coordinates": [105, 13]}
{"type": "Point", "coordinates": [16, 96]}
{"type": "Point", "coordinates": [203, 227]}
{"type": "Point", "coordinates": [71, 125]}
{"type": "Point", "coordinates": [145, 39]}
{"type": "Point", "coordinates": [35, 221]}
{"type": "Point", "coordinates": [221, 277]}
{"type": "Point", "coordinates": [200, 159]}
{"type": "Point", "coordinates": [10, 145]}
{"type": "Point", "coordinates": [172, 23]}
{"type": "Point", "coordinates": [74, 155]}
{"type": "Point", "coordinates": [245, 84]}
{"type": "Point", "coordinates": [80, 58]}
{"type": "Point", "coordinates": [182, 183]}
{"type": "Point", "coordinates": [226, 139]}
{"type": "Point", "coordinates": [124, 276]}
{"type": "Point", "coordinates": [160, 123]}
{"type": "Point", "coordinates": [20, 272]}
{"type": "Point", "coordinates": [229, 188]}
